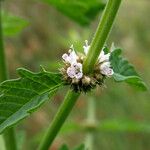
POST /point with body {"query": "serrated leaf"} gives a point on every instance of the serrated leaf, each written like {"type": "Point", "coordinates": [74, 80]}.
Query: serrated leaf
{"type": "Point", "coordinates": [81, 11]}
{"type": "Point", "coordinates": [12, 25]}
{"type": "Point", "coordinates": [124, 71]}
{"type": "Point", "coordinates": [20, 97]}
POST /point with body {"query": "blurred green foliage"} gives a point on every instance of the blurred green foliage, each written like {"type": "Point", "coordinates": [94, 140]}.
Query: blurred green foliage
{"type": "Point", "coordinates": [65, 147]}
{"type": "Point", "coordinates": [110, 125]}
{"type": "Point", "coordinates": [12, 25]}
{"type": "Point", "coordinates": [123, 113]}
{"type": "Point", "coordinates": [81, 11]}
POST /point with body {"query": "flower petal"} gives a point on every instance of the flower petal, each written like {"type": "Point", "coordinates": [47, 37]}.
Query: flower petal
{"type": "Point", "coordinates": [72, 57]}
{"type": "Point", "coordinates": [65, 57]}
{"type": "Point", "coordinates": [86, 47]}
{"type": "Point", "coordinates": [71, 72]}
{"type": "Point", "coordinates": [103, 57]}
{"type": "Point", "coordinates": [106, 70]}
{"type": "Point", "coordinates": [79, 75]}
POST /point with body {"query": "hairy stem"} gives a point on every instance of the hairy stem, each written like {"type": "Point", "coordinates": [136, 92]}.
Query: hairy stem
{"type": "Point", "coordinates": [9, 135]}
{"type": "Point", "coordinates": [59, 119]}
{"type": "Point", "coordinates": [99, 39]}
{"type": "Point", "coordinates": [101, 34]}
{"type": "Point", "coordinates": [91, 123]}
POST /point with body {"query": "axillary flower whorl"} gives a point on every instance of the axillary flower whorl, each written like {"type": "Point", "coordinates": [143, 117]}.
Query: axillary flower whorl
{"type": "Point", "coordinates": [73, 70]}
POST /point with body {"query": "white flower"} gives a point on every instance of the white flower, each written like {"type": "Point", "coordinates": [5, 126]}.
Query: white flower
{"type": "Point", "coordinates": [103, 57]}
{"type": "Point", "coordinates": [106, 70]}
{"type": "Point", "coordinates": [75, 71]}
{"type": "Point", "coordinates": [86, 47]}
{"type": "Point", "coordinates": [72, 57]}
{"type": "Point", "coordinates": [105, 67]}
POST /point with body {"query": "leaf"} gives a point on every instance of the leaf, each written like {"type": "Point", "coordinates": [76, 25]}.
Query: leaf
{"type": "Point", "coordinates": [81, 147]}
{"type": "Point", "coordinates": [81, 11]}
{"type": "Point", "coordinates": [124, 71]}
{"type": "Point", "coordinates": [124, 125]}
{"type": "Point", "coordinates": [71, 127]}
{"type": "Point", "coordinates": [12, 25]}
{"type": "Point", "coordinates": [106, 49]}
{"type": "Point", "coordinates": [20, 97]}
{"type": "Point", "coordinates": [21, 137]}
{"type": "Point", "coordinates": [112, 125]}
{"type": "Point", "coordinates": [64, 147]}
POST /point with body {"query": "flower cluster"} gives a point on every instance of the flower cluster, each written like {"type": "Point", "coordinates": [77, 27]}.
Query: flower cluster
{"type": "Point", "coordinates": [73, 69]}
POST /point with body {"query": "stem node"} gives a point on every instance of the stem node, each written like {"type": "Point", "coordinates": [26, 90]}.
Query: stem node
{"type": "Point", "coordinates": [97, 44]}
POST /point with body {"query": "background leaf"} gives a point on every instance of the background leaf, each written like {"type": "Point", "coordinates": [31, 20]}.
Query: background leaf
{"type": "Point", "coordinates": [71, 127]}
{"type": "Point", "coordinates": [124, 71]}
{"type": "Point", "coordinates": [12, 25]}
{"type": "Point", "coordinates": [20, 97]}
{"type": "Point", "coordinates": [64, 147]}
{"type": "Point", "coordinates": [21, 137]}
{"type": "Point", "coordinates": [110, 125]}
{"type": "Point", "coordinates": [81, 147]}
{"type": "Point", "coordinates": [124, 125]}
{"type": "Point", "coordinates": [81, 11]}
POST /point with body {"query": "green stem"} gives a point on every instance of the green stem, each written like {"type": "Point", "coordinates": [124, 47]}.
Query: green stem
{"type": "Point", "coordinates": [101, 34]}
{"type": "Point", "coordinates": [2, 145]}
{"type": "Point", "coordinates": [91, 123]}
{"type": "Point", "coordinates": [9, 135]}
{"type": "Point", "coordinates": [59, 119]}
{"type": "Point", "coordinates": [10, 139]}
{"type": "Point", "coordinates": [3, 69]}
{"type": "Point", "coordinates": [96, 46]}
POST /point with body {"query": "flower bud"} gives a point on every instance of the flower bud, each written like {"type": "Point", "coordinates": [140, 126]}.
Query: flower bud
{"type": "Point", "coordinates": [86, 80]}
{"type": "Point", "coordinates": [75, 81]}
